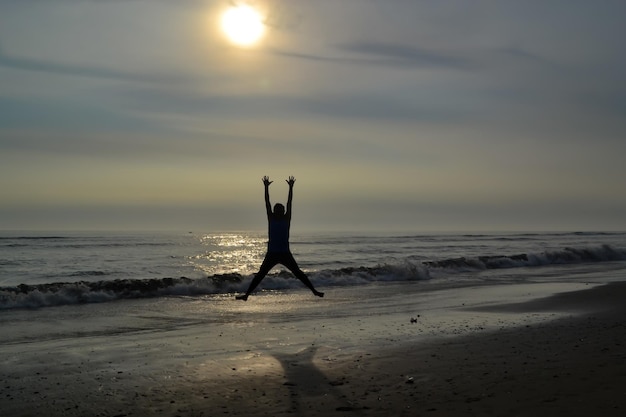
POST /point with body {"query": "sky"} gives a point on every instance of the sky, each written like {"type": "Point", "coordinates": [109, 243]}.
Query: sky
{"type": "Point", "coordinates": [393, 115]}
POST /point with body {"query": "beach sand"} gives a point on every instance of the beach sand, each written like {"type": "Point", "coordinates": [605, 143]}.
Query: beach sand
{"type": "Point", "coordinates": [483, 350]}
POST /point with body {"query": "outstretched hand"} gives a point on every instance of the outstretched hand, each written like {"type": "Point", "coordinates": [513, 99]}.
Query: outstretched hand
{"type": "Point", "coordinates": [266, 181]}
{"type": "Point", "coordinates": [291, 180]}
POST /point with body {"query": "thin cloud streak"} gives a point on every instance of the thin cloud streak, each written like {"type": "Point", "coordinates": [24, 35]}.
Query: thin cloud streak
{"type": "Point", "coordinates": [383, 54]}
{"type": "Point", "coordinates": [29, 64]}
{"type": "Point", "coordinates": [342, 106]}
{"type": "Point", "coordinates": [395, 54]}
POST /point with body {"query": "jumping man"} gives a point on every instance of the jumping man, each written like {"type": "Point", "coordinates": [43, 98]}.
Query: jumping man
{"type": "Point", "coordinates": [278, 245]}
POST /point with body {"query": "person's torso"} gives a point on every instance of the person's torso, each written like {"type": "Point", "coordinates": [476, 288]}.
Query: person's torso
{"type": "Point", "coordinates": [278, 235]}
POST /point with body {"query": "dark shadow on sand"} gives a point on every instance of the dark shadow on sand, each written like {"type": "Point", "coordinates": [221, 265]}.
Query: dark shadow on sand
{"type": "Point", "coordinates": [310, 390]}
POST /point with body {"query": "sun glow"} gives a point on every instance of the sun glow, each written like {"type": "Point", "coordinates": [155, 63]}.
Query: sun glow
{"type": "Point", "coordinates": [243, 25]}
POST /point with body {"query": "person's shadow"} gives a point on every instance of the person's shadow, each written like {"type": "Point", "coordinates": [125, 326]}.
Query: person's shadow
{"type": "Point", "coordinates": [311, 392]}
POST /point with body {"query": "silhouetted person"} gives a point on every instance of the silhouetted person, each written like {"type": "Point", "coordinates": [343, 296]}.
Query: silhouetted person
{"type": "Point", "coordinates": [278, 245]}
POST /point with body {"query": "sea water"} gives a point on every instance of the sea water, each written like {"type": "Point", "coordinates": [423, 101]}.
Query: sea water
{"type": "Point", "coordinates": [65, 268]}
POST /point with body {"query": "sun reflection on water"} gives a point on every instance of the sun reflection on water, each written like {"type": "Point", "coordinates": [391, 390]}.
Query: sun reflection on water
{"type": "Point", "coordinates": [229, 253]}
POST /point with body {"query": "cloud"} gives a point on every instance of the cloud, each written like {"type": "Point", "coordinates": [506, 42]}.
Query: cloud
{"type": "Point", "coordinates": [396, 54]}
{"type": "Point", "coordinates": [378, 108]}
{"type": "Point", "coordinates": [347, 105]}
{"type": "Point", "coordinates": [29, 64]}
{"type": "Point", "coordinates": [313, 57]}
{"type": "Point", "coordinates": [385, 54]}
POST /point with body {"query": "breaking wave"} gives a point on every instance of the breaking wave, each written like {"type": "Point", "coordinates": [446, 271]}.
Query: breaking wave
{"type": "Point", "coordinates": [604, 253]}
{"type": "Point", "coordinates": [67, 293]}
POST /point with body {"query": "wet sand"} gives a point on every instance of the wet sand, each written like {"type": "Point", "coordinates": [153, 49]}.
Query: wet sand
{"type": "Point", "coordinates": [502, 350]}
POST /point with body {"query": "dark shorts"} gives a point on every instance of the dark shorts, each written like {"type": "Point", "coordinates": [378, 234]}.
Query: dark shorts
{"type": "Point", "coordinates": [284, 258]}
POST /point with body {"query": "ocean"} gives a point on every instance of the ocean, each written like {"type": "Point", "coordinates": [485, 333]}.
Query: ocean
{"type": "Point", "coordinates": [39, 270]}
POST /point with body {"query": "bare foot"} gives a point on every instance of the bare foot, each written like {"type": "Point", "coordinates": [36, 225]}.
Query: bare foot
{"type": "Point", "coordinates": [319, 294]}
{"type": "Point", "coordinates": [242, 297]}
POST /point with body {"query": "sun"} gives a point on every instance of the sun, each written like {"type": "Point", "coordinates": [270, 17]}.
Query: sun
{"type": "Point", "coordinates": [243, 25]}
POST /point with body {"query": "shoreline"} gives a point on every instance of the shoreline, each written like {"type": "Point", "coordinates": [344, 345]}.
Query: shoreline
{"type": "Point", "coordinates": [553, 354]}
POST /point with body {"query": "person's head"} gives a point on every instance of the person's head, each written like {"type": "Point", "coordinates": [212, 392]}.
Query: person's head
{"type": "Point", "coordinates": [279, 209]}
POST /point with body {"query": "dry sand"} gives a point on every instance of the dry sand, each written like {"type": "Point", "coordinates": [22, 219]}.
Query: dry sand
{"type": "Point", "coordinates": [563, 354]}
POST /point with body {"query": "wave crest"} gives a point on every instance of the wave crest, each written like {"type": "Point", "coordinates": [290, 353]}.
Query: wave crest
{"type": "Point", "coordinates": [64, 293]}
{"type": "Point", "coordinates": [604, 253]}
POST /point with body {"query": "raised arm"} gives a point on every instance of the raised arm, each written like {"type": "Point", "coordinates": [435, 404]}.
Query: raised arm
{"type": "Point", "coordinates": [290, 181]}
{"type": "Point", "coordinates": [268, 205]}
